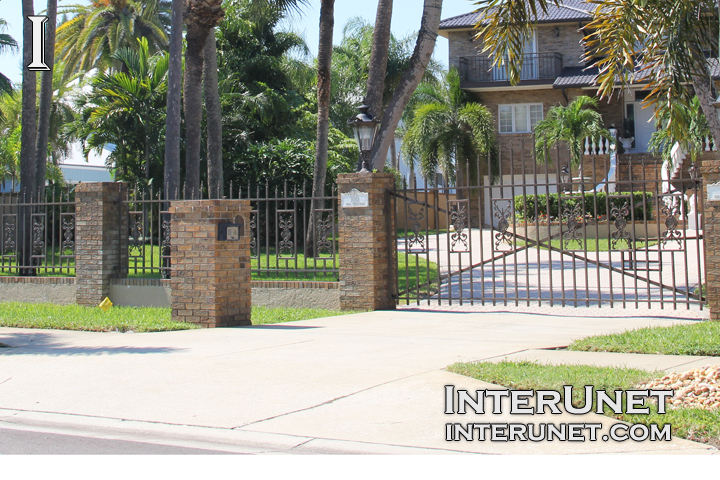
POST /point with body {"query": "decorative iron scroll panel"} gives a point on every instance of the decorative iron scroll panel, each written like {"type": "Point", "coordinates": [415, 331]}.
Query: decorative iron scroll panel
{"type": "Point", "coordinates": [504, 241]}
{"type": "Point", "coordinates": [149, 249]}
{"type": "Point", "coordinates": [278, 225]}
{"type": "Point", "coordinates": [37, 236]}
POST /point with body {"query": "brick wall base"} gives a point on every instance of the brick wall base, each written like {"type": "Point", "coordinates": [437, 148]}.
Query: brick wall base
{"type": "Point", "coordinates": [101, 239]}
{"type": "Point", "coordinates": [367, 244]}
{"type": "Point", "coordinates": [210, 282]}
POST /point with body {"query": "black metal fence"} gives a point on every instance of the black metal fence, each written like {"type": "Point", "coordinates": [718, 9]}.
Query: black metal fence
{"type": "Point", "coordinates": [148, 236]}
{"type": "Point", "coordinates": [293, 234]}
{"type": "Point", "coordinates": [37, 235]}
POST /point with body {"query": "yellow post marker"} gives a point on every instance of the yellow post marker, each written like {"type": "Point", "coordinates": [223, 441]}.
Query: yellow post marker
{"type": "Point", "coordinates": [105, 305]}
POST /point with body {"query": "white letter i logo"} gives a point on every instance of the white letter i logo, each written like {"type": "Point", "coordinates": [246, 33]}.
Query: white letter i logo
{"type": "Point", "coordinates": [38, 43]}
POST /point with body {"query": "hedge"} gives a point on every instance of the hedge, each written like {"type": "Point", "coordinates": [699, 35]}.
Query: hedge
{"type": "Point", "coordinates": [525, 204]}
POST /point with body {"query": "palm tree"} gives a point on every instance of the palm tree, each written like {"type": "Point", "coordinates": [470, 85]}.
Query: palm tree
{"type": "Point", "coordinates": [571, 124]}
{"type": "Point", "coordinates": [201, 17]}
{"type": "Point", "coordinates": [11, 106]}
{"type": "Point", "coordinates": [126, 110]}
{"type": "Point", "coordinates": [447, 130]}
{"type": "Point", "coordinates": [379, 57]}
{"type": "Point", "coordinates": [97, 31]}
{"type": "Point", "coordinates": [409, 81]}
{"type": "Point", "coordinates": [171, 176]}
{"type": "Point", "coordinates": [46, 95]}
{"type": "Point", "coordinates": [663, 140]}
{"type": "Point", "coordinates": [28, 166]}
{"type": "Point", "coordinates": [324, 88]}
{"type": "Point", "coordinates": [213, 110]}
{"type": "Point", "coordinates": [7, 45]}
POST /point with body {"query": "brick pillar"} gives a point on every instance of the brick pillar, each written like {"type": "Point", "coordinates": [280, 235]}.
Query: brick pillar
{"type": "Point", "coordinates": [101, 234]}
{"type": "Point", "coordinates": [710, 171]}
{"type": "Point", "coordinates": [367, 244]}
{"type": "Point", "coordinates": [210, 281]}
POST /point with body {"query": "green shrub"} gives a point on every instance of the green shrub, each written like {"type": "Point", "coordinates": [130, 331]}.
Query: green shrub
{"type": "Point", "coordinates": [595, 206]}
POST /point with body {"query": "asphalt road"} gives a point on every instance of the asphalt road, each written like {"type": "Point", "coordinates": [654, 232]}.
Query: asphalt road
{"type": "Point", "coordinates": [20, 442]}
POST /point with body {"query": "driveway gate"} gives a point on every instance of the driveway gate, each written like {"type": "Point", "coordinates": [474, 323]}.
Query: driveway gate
{"type": "Point", "coordinates": [625, 234]}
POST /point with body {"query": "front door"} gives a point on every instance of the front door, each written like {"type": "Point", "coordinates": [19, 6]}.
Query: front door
{"type": "Point", "coordinates": [644, 126]}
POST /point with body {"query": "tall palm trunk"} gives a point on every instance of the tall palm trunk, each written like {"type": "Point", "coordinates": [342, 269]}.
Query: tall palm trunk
{"type": "Point", "coordinates": [327, 24]}
{"type": "Point", "coordinates": [214, 119]}
{"type": "Point", "coordinates": [174, 95]}
{"type": "Point", "coordinates": [379, 58]}
{"type": "Point", "coordinates": [201, 17]}
{"type": "Point", "coordinates": [28, 156]}
{"type": "Point", "coordinates": [409, 81]}
{"type": "Point", "coordinates": [46, 92]}
{"type": "Point", "coordinates": [703, 90]}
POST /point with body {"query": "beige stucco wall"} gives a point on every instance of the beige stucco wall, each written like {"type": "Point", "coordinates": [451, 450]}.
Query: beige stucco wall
{"type": "Point", "coordinates": [37, 293]}
{"type": "Point", "coordinates": [140, 296]}
{"type": "Point", "coordinates": [159, 296]}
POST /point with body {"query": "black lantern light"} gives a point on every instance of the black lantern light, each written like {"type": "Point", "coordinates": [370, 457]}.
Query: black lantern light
{"type": "Point", "coordinates": [565, 177]}
{"type": "Point", "coordinates": [365, 127]}
{"type": "Point", "coordinates": [694, 173]}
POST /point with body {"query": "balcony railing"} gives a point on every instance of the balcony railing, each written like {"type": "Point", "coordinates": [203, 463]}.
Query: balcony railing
{"type": "Point", "coordinates": [536, 66]}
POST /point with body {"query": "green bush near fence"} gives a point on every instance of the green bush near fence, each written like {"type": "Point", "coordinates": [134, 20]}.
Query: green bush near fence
{"type": "Point", "coordinates": [595, 205]}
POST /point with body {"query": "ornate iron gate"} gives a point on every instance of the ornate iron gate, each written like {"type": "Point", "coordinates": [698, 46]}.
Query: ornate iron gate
{"type": "Point", "coordinates": [530, 236]}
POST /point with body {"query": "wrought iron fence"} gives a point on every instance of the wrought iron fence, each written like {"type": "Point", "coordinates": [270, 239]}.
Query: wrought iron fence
{"type": "Point", "coordinates": [148, 235]}
{"type": "Point", "coordinates": [294, 235]}
{"type": "Point", "coordinates": [287, 241]}
{"type": "Point", "coordinates": [37, 235]}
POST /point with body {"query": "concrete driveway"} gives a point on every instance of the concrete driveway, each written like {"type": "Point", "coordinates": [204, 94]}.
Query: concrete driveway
{"type": "Point", "coordinates": [364, 383]}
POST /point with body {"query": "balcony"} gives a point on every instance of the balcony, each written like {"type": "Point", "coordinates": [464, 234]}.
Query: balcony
{"type": "Point", "coordinates": [538, 69]}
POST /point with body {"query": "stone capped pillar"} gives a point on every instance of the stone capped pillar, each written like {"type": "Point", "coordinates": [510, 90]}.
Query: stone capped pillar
{"type": "Point", "coordinates": [367, 242]}
{"type": "Point", "coordinates": [710, 171]}
{"type": "Point", "coordinates": [101, 239]}
{"type": "Point", "coordinates": [210, 281]}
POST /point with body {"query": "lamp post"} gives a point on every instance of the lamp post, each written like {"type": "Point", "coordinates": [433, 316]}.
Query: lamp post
{"type": "Point", "coordinates": [565, 177]}
{"type": "Point", "coordinates": [365, 127]}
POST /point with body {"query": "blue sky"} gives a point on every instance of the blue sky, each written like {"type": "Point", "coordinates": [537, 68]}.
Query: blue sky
{"type": "Point", "coordinates": [406, 19]}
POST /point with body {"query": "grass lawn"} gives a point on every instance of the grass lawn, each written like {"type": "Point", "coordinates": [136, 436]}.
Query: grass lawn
{"type": "Point", "coordinates": [691, 423]}
{"type": "Point", "coordinates": [412, 273]}
{"type": "Point", "coordinates": [702, 338]}
{"type": "Point", "coordinates": [123, 319]}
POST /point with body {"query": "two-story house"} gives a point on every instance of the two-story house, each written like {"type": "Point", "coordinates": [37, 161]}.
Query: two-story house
{"type": "Point", "coordinates": [553, 74]}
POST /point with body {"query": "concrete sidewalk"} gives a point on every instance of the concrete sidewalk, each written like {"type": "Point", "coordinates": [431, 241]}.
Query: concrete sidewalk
{"type": "Point", "coordinates": [365, 383]}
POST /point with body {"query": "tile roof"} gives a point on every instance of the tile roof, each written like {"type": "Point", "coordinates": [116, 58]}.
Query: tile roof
{"type": "Point", "coordinates": [576, 77]}
{"type": "Point", "coordinates": [564, 11]}
{"type": "Point", "coordinates": [585, 76]}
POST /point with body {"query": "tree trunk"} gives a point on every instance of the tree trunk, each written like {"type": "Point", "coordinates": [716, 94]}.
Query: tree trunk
{"type": "Point", "coordinates": [327, 24]}
{"type": "Point", "coordinates": [174, 94]}
{"type": "Point", "coordinates": [28, 151]}
{"type": "Point", "coordinates": [703, 90]}
{"type": "Point", "coordinates": [379, 58]}
{"type": "Point", "coordinates": [394, 158]}
{"type": "Point", "coordinates": [201, 17]}
{"type": "Point", "coordinates": [214, 119]}
{"type": "Point", "coordinates": [192, 97]}
{"type": "Point", "coordinates": [46, 93]}
{"type": "Point", "coordinates": [408, 82]}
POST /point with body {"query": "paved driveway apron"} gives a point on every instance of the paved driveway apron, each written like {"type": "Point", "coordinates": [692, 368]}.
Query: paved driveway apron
{"type": "Point", "coordinates": [365, 383]}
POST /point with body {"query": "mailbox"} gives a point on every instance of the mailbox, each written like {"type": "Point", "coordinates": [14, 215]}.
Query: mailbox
{"type": "Point", "coordinates": [231, 232]}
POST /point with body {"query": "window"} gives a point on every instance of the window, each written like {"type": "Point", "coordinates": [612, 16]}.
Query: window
{"type": "Point", "coordinates": [519, 118]}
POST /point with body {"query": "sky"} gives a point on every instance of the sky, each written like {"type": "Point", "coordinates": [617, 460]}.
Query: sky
{"type": "Point", "coordinates": [406, 19]}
